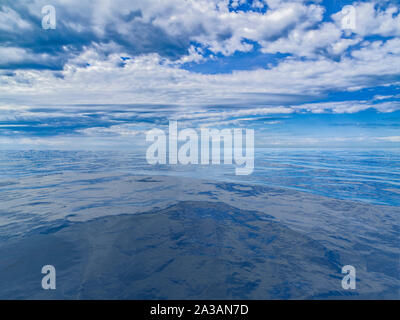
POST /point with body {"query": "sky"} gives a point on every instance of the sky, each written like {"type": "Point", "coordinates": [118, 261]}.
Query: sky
{"type": "Point", "coordinates": [113, 69]}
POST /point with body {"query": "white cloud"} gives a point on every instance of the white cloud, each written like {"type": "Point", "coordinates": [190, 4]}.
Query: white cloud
{"type": "Point", "coordinates": [14, 55]}
{"type": "Point", "coordinates": [152, 79]}
{"type": "Point", "coordinates": [127, 130]}
{"type": "Point", "coordinates": [348, 106]}
{"type": "Point", "coordinates": [391, 138]}
{"type": "Point", "coordinates": [95, 77]}
{"type": "Point", "coordinates": [331, 39]}
{"type": "Point", "coordinates": [11, 20]}
{"type": "Point", "coordinates": [373, 20]}
{"type": "Point", "coordinates": [210, 23]}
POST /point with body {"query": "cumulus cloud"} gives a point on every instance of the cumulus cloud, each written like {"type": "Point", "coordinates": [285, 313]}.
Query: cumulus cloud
{"type": "Point", "coordinates": [168, 28]}
{"type": "Point", "coordinates": [94, 78]}
{"type": "Point", "coordinates": [171, 28]}
{"type": "Point", "coordinates": [137, 52]}
{"type": "Point", "coordinates": [331, 39]}
{"type": "Point", "coordinates": [373, 19]}
{"type": "Point", "coordinates": [183, 30]}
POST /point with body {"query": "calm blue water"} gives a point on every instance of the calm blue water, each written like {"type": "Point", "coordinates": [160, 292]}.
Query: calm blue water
{"type": "Point", "coordinates": [368, 176]}
{"type": "Point", "coordinates": [44, 193]}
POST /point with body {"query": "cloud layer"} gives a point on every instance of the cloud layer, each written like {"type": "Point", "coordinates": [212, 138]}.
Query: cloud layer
{"type": "Point", "coordinates": [295, 57]}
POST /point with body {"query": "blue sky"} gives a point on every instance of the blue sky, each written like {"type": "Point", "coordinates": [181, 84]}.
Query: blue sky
{"type": "Point", "coordinates": [111, 70]}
